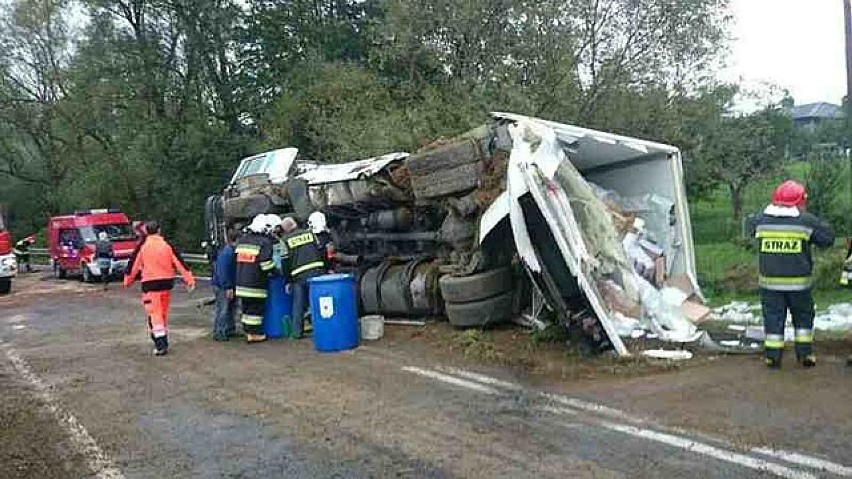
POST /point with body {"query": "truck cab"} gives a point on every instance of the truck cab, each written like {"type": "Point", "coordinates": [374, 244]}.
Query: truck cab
{"type": "Point", "coordinates": [8, 264]}
{"type": "Point", "coordinates": [72, 241]}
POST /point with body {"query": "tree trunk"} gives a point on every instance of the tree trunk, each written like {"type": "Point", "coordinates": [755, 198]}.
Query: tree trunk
{"type": "Point", "coordinates": [736, 201]}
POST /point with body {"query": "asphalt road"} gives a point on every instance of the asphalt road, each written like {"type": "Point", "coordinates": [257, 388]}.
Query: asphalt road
{"type": "Point", "coordinates": [83, 397]}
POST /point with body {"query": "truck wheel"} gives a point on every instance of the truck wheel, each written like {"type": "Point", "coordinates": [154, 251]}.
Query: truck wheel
{"type": "Point", "coordinates": [477, 314]}
{"type": "Point", "coordinates": [443, 158]}
{"type": "Point", "coordinates": [5, 285]}
{"type": "Point", "coordinates": [300, 200]}
{"type": "Point", "coordinates": [475, 287]}
{"type": "Point", "coordinates": [447, 182]}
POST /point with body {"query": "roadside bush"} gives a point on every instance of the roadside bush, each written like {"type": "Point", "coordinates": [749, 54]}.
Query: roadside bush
{"type": "Point", "coordinates": [828, 192]}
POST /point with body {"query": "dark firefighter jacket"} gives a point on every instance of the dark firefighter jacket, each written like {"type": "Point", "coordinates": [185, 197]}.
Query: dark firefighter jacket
{"type": "Point", "coordinates": [254, 262]}
{"type": "Point", "coordinates": [22, 248]}
{"type": "Point", "coordinates": [304, 254]}
{"type": "Point", "coordinates": [784, 241]}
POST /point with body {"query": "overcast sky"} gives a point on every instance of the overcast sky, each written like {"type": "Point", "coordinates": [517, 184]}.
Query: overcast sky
{"type": "Point", "coordinates": [796, 44]}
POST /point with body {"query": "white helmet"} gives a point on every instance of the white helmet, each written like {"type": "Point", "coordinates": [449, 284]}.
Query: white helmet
{"type": "Point", "coordinates": [316, 221]}
{"type": "Point", "coordinates": [271, 222]}
{"type": "Point", "coordinates": [258, 224]}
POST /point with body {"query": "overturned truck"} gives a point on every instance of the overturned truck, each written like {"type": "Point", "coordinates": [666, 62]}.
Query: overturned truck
{"type": "Point", "coordinates": [521, 218]}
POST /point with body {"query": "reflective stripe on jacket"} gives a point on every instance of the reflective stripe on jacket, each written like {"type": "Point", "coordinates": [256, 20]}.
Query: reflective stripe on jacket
{"type": "Point", "coordinates": [254, 262]}
{"type": "Point", "coordinates": [784, 247]}
{"type": "Point", "coordinates": [304, 253]}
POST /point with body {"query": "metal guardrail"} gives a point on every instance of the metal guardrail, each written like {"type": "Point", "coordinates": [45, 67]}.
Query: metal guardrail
{"type": "Point", "coordinates": [190, 258]}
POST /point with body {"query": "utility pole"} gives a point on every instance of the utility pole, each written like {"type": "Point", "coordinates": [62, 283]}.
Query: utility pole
{"type": "Point", "coordinates": [847, 17]}
{"type": "Point", "coordinates": [847, 10]}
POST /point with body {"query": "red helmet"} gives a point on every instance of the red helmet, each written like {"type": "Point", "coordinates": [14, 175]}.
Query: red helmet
{"type": "Point", "coordinates": [30, 239]}
{"type": "Point", "coordinates": [789, 193]}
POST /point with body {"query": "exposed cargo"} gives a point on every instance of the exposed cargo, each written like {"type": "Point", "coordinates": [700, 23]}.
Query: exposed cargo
{"type": "Point", "coordinates": [496, 224]}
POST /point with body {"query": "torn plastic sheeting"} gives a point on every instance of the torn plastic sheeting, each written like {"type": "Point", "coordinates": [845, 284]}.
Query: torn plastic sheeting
{"type": "Point", "coordinates": [664, 314]}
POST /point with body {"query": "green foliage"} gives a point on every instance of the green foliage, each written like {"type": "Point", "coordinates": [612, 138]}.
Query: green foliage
{"type": "Point", "coordinates": [736, 151]}
{"type": "Point", "coordinates": [151, 106]}
{"type": "Point", "coordinates": [829, 190]}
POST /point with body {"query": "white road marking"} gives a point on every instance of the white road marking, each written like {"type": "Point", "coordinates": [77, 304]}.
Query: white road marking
{"type": "Point", "coordinates": [804, 460]}
{"type": "Point", "coordinates": [573, 407]}
{"type": "Point", "coordinates": [710, 451]}
{"type": "Point", "coordinates": [18, 326]}
{"type": "Point", "coordinates": [690, 445]}
{"type": "Point", "coordinates": [592, 407]}
{"type": "Point", "coordinates": [97, 460]}
{"type": "Point", "coordinates": [557, 398]}
{"type": "Point", "coordinates": [450, 380]}
{"type": "Point", "coordinates": [482, 378]}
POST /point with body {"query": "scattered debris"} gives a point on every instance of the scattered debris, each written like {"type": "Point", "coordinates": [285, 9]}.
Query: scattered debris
{"type": "Point", "coordinates": [737, 312]}
{"type": "Point", "coordinates": [405, 322]}
{"type": "Point", "coordinates": [673, 355]}
{"type": "Point", "coordinates": [838, 317]}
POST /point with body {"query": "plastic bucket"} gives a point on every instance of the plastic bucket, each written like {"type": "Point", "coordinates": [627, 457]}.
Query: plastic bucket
{"type": "Point", "coordinates": [372, 327]}
{"type": "Point", "coordinates": [334, 312]}
{"type": "Point", "coordinates": [276, 315]}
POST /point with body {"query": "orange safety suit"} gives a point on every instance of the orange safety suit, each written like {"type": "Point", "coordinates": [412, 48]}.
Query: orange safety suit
{"type": "Point", "coordinates": [155, 263]}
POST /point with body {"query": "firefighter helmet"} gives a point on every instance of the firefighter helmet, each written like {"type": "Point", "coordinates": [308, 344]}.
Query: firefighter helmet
{"type": "Point", "coordinates": [789, 193]}
{"type": "Point", "coordinates": [316, 221]}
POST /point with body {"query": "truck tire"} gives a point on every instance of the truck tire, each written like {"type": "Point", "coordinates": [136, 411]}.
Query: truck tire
{"type": "Point", "coordinates": [5, 285]}
{"type": "Point", "coordinates": [443, 158]}
{"type": "Point", "coordinates": [464, 289]}
{"type": "Point", "coordinates": [447, 182]}
{"type": "Point", "coordinates": [300, 200]}
{"type": "Point", "coordinates": [477, 314]}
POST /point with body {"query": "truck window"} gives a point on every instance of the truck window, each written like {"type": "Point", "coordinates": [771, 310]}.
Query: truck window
{"type": "Point", "coordinates": [69, 237]}
{"type": "Point", "coordinates": [115, 232]}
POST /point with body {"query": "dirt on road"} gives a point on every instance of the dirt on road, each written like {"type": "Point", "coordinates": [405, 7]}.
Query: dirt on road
{"type": "Point", "coordinates": [32, 443]}
{"type": "Point", "coordinates": [398, 407]}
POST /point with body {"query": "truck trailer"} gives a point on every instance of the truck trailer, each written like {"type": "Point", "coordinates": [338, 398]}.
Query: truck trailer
{"type": "Point", "coordinates": [521, 218]}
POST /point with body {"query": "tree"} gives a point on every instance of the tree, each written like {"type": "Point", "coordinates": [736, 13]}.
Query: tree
{"type": "Point", "coordinates": [738, 150]}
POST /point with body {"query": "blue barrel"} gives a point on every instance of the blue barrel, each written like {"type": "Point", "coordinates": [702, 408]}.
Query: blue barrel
{"type": "Point", "coordinates": [334, 312]}
{"type": "Point", "coordinates": [276, 315]}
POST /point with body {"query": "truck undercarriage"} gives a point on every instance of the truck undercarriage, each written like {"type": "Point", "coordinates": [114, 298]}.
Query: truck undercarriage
{"type": "Point", "coordinates": [481, 227]}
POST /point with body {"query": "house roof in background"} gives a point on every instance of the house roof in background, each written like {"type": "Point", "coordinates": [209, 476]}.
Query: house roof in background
{"type": "Point", "coordinates": [816, 110]}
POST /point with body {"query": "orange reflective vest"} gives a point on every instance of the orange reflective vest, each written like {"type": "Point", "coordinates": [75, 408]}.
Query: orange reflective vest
{"type": "Point", "coordinates": [157, 261]}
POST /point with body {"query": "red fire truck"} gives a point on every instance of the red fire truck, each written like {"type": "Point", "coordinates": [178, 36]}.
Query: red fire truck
{"type": "Point", "coordinates": [72, 242]}
{"type": "Point", "coordinates": [8, 266]}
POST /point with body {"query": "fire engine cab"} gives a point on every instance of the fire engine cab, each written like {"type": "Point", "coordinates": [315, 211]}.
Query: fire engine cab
{"type": "Point", "coordinates": [72, 242]}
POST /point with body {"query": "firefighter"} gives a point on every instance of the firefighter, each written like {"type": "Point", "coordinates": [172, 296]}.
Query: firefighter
{"type": "Point", "coordinates": [305, 258]}
{"type": "Point", "coordinates": [785, 232]}
{"type": "Point", "coordinates": [103, 256]}
{"type": "Point", "coordinates": [155, 263]}
{"type": "Point", "coordinates": [254, 263]}
{"type": "Point", "coordinates": [22, 253]}
{"type": "Point", "coordinates": [317, 224]}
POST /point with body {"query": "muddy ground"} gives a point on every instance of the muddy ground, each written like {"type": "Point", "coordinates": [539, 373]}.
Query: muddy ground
{"type": "Point", "coordinates": [399, 407]}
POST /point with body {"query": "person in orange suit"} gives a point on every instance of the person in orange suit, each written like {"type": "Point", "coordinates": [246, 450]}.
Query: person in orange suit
{"type": "Point", "coordinates": [155, 263]}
